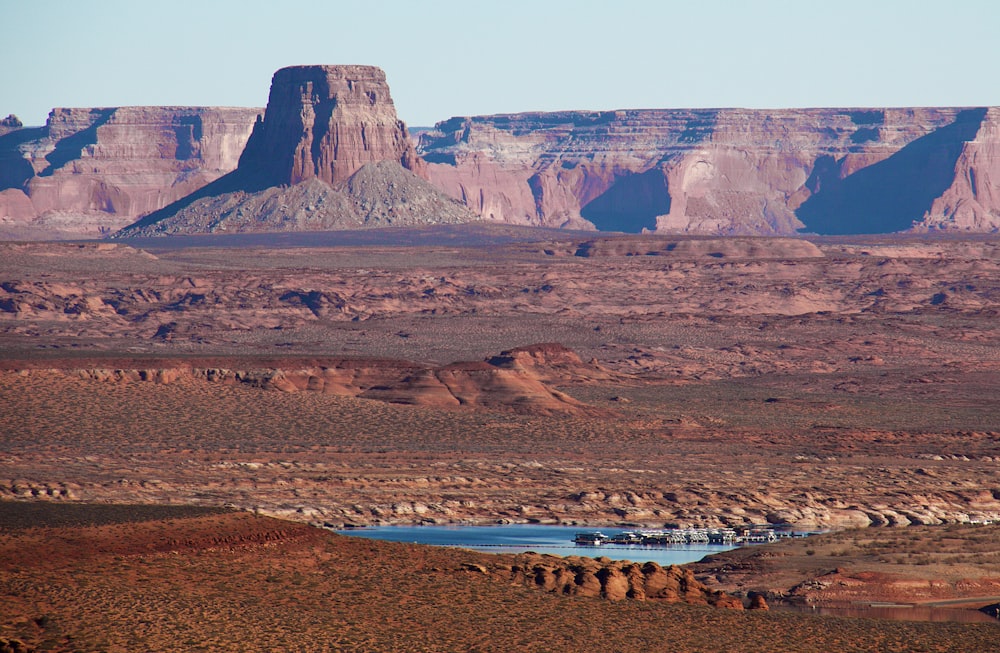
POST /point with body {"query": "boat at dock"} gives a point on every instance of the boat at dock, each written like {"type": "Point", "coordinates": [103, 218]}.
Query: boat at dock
{"type": "Point", "coordinates": [673, 536]}
{"type": "Point", "coordinates": [595, 538]}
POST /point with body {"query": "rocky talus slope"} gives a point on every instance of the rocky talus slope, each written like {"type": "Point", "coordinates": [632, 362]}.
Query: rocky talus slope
{"type": "Point", "coordinates": [379, 194]}
{"type": "Point", "coordinates": [727, 171]}
{"type": "Point", "coordinates": [92, 171]}
{"type": "Point", "coordinates": [330, 154]}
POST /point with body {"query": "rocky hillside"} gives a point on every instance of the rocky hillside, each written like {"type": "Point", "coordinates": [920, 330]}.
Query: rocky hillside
{"type": "Point", "coordinates": [330, 154]}
{"type": "Point", "coordinates": [377, 195]}
{"type": "Point", "coordinates": [92, 171]}
{"type": "Point", "coordinates": [518, 380]}
{"type": "Point", "coordinates": [728, 171]}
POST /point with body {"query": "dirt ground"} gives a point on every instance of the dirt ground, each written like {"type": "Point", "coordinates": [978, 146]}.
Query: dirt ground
{"type": "Point", "coordinates": [952, 565]}
{"type": "Point", "coordinates": [127, 580]}
{"type": "Point", "coordinates": [844, 385]}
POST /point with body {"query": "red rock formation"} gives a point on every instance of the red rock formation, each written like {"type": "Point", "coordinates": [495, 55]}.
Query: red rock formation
{"type": "Point", "coordinates": [972, 202]}
{"type": "Point", "coordinates": [727, 171]}
{"type": "Point", "coordinates": [614, 580]}
{"type": "Point", "coordinates": [327, 122]}
{"type": "Point", "coordinates": [94, 170]}
{"type": "Point", "coordinates": [722, 172]}
{"type": "Point", "coordinates": [550, 361]}
{"type": "Point", "coordinates": [9, 124]}
{"type": "Point", "coordinates": [330, 154]}
{"type": "Point", "coordinates": [470, 384]}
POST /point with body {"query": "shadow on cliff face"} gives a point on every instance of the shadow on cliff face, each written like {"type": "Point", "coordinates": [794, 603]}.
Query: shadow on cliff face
{"type": "Point", "coordinates": [890, 195]}
{"type": "Point", "coordinates": [631, 204]}
{"type": "Point", "coordinates": [70, 148]}
{"type": "Point", "coordinates": [15, 171]}
{"type": "Point", "coordinates": [232, 182]}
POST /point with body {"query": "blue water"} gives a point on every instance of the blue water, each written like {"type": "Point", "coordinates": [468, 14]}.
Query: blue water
{"type": "Point", "coordinates": [518, 538]}
{"type": "Point", "coordinates": [558, 540]}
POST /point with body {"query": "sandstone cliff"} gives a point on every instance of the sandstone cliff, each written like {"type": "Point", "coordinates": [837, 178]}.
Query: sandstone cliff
{"type": "Point", "coordinates": [699, 171]}
{"type": "Point", "coordinates": [92, 171]}
{"type": "Point", "coordinates": [330, 154]}
{"type": "Point", "coordinates": [728, 171]}
{"type": "Point", "coordinates": [326, 122]}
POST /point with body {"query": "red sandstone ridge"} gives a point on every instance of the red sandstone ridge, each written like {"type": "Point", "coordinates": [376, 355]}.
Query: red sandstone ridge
{"type": "Point", "coordinates": [551, 361]}
{"type": "Point", "coordinates": [726, 172]}
{"type": "Point", "coordinates": [90, 171]}
{"type": "Point", "coordinates": [330, 153]}
{"type": "Point", "coordinates": [518, 380]}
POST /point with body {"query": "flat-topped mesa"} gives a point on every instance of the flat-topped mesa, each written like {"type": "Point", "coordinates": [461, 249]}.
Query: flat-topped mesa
{"type": "Point", "coordinates": [326, 122]}
{"type": "Point", "coordinates": [92, 170]}
{"type": "Point", "coordinates": [726, 171]}
{"type": "Point", "coordinates": [329, 153]}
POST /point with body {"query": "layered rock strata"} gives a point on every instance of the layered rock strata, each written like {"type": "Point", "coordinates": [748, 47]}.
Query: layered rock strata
{"type": "Point", "coordinates": [326, 122]}
{"type": "Point", "coordinates": [330, 154]}
{"type": "Point", "coordinates": [707, 171]}
{"type": "Point", "coordinates": [92, 171]}
{"type": "Point", "coordinates": [501, 383]}
{"type": "Point", "coordinates": [728, 171]}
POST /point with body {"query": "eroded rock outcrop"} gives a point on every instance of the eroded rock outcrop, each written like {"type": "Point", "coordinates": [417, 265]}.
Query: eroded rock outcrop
{"type": "Point", "coordinates": [729, 171]}
{"type": "Point", "coordinates": [92, 171]}
{"type": "Point", "coordinates": [701, 171]}
{"type": "Point", "coordinates": [330, 153]}
{"type": "Point", "coordinates": [484, 385]}
{"type": "Point", "coordinates": [614, 580]}
{"type": "Point", "coordinates": [326, 122]}
{"type": "Point", "coordinates": [550, 361]}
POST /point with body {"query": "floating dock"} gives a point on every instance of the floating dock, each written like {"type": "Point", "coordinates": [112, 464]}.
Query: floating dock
{"type": "Point", "coordinates": [671, 536]}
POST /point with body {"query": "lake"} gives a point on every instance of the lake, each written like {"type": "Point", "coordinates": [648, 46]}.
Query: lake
{"type": "Point", "coordinates": [558, 540]}
{"type": "Point", "coordinates": [518, 538]}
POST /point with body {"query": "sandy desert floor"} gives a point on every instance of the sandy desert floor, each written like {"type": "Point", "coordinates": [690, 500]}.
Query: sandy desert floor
{"type": "Point", "coordinates": [133, 579]}
{"type": "Point", "coordinates": [828, 384]}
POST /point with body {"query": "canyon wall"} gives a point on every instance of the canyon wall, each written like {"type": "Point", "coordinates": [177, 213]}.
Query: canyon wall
{"type": "Point", "coordinates": [92, 171]}
{"type": "Point", "coordinates": [726, 171]}
{"type": "Point", "coordinates": [89, 172]}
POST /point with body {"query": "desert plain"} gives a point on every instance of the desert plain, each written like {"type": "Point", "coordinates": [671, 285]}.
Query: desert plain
{"type": "Point", "coordinates": [487, 374]}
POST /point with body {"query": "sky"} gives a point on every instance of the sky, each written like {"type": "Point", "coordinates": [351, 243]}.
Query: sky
{"type": "Point", "coordinates": [447, 58]}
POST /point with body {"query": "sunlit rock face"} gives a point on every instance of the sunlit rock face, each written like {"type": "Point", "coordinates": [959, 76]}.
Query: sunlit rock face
{"type": "Point", "coordinates": [326, 122]}
{"type": "Point", "coordinates": [328, 154]}
{"type": "Point", "coordinates": [726, 171]}
{"type": "Point", "coordinates": [93, 170]}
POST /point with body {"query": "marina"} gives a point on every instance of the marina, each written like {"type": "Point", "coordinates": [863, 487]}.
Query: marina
{"type": "Point", "coordinates": [541, 538]}
{"type": "Point", "coordinates": [675, 536]}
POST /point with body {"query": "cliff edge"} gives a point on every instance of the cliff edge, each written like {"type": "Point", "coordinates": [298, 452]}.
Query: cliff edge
{"type": "Point", "coordinates": [329, 153]}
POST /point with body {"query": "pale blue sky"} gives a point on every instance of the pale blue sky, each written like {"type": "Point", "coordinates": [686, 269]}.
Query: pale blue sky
{"type": "Point", "coordinates": [448, 58]}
